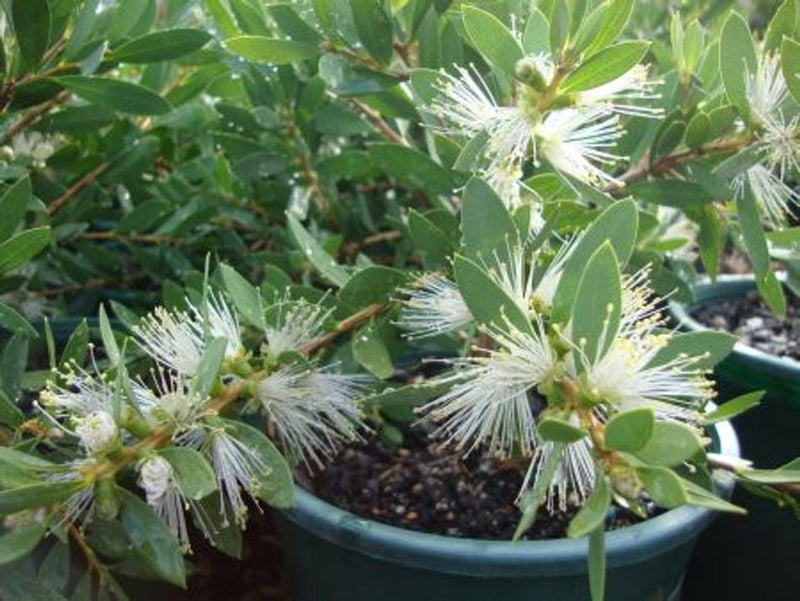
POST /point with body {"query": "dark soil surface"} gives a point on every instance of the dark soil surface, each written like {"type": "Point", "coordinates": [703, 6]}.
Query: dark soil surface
{"type": "Point", "coordinates": [427, 487]}
{"type": "Point", "coordinates": [751, 320]}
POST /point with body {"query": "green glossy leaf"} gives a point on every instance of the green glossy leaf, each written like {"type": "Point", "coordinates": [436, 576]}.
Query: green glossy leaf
{"type": "Point", "coordinates": [116, 94]}
{"type": "Point", "coordinates": [161, 46]}
{"type": "Point", "coordinates": [374, 27]}
{"type": "Point", "coordinates": [12, 321]}
{"type": "Point", "coordinates": [32, 496]}
{"type": "Point", "coordinates": [225, 533]}
{"type": "Point", "coordinates": [107, 334]}
{"type": "Point", "coordinates": [20, 248]}
{"type": "Point", "coordinates": [698, 495]}
{"type": "Point", "coordinates": [16, 584]}
{"type": "Point", "coordinates": [244, 295]}
{"type": "Point", "coordinates": [606, 65]}
{"type": "Point", "coordinates": [618, 224]}
{"type": "Point", "coordinates": [208, 370]}
{"type": "Point", "coordinates": [530, 500]}
{"type": "Point", "coordinates": [32, 20]}
{"type": "Point", "coordinates": [777, 476]}
{"type": "Point", "coordinates": [13, 206]}
{"type": "Point", "coordinates": [487, 301]}
{"type": "Point", "coordinates": [559, 430]}
{"type": "Point", "coordinates": [151, 538]}
{"type": "Point", "coordinates": [671, 193]}
{"type": "Point", "coordinates": [413, 168]}
{"type": "Point", "coordinates": [270, 50]}
{"type": "Point", "coordinates": [77, 345]}
{"type": "Point", "coordinates": [783, 23]}
{"type": "Point", "coordinates": [664, 486]}
{"type": "Point", "coordinates": [560, 19]}
{"type": "Point", "coordinates": [536, 37]}
{"type": "Point", "coordinates": [129, 16]}
{"type": "Point", "coordinates": [616, 18]}
{"type": "Point", "coordinates": [592, 514]}
{"type": "Point", "coordinates": [492, 39]}
{"type": "Point", "coordinates": [598, 305]}
{"type": "Point", "coordinates": [737, 58]}
{"type": "Point", "coordinates": [630, 430]}
{"type": "Point", "coordinates": [193, 474]}
{"type": "Point", "coordinates": [710, 348]}
{"type": "Point", "coordinates": [671, 444]}
{"type": "Point", "coordinates": [370, 351]}
{"type": "Point", "coordinates": [429, 240]}
{"type": "Point", "coordinates": [274, 484]}
{"type": "Point", "coordinates": [10, 414]}
{"type": "Point", "coordinates": [82, 29]}
{"type": "Point", "coordinates": [373, 284]}
{"type": "Point", "coordinates": [20, 541]}
{"type": "Point", "coordinates": [732, 408]}
{"type": "Point", "coordinates": [295, 26]}
{"type": "Point", "coordinates": [486, 224]}
{"type": "Point", "coordinates": [790, 65]}
{"type": "Point", "coordinates": [327, 267]}
{"type": "Point", "coordinates": [323, 10]}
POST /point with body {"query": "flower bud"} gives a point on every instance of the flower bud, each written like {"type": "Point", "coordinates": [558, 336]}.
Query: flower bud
{"type": "Point", "coordinates": [98, 432]}
{"type": "Point", "coordinates": [528, 73]}
{"type": "Point", "coordinates": [155, 477]}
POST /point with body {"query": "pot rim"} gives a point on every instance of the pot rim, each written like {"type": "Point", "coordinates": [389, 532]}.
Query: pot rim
{"type": "Point", "coordinates": [474, 557]}
{"type": "Point", "coordinates": [728, 286]}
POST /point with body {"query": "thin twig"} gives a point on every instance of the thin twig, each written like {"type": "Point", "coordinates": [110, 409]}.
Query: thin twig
{"type": "Point", "coordinates": [76, 188]}
{"type": "Point", "coordinates": [375, 118]}
{"type": "Point", "coordinates": [345, 325]}
{"type": "Point", "coordinates": [145, 238]}
{"type": "Point", "coordinates": [351, 248]}
{"type": "Point", "coordinates": [91, 556]}
{"type": "Point", "coordinates": [34, 115]}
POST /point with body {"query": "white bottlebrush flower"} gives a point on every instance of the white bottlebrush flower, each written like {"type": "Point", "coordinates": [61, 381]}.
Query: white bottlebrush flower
{"type": "Point", "coordinates": [169, 402]}
{"type": "Point", "coordinates": [620, 95]}
{"type": "Point", "coordinates": [774, 198]}
{"type": "Point", "coordinates": [313, 410]}
{"type": "Point", "coordinates": [34, 145]}
{"type": "Point", "coordinates": [572, 141]}
{"type": "Point", "coordinates": [433, 306]}
{"type": "Point", "coordinates": [296, 325]}
{"type": "Point", "coordinates": [98, 432]}
{"type": "Point", "coordinates": [765, 89]}
{"type": "Point", "coordinates": [575, 473]}
{"type": "Point", "coordinates": [780, 145]}
{"type": "Point", "coordinates": [489, 402]}
{"type": "Point", "coordinates": [76, 392]}
{"type": "Point", "coordinates": [161, 490]}
{"type": "Point", "coordinates": [178, 339]}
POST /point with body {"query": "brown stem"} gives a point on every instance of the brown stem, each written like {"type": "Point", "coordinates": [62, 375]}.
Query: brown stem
{"type": "Point", "coordinates": [91, 556]}
{"type": "Point", "coordinates": [345, 325]}
{"type": "Point", "coordinates": [145, 238]}
{"type": "Point", "coordinates": [351, 248]}
{"type": "Point", "coordinates": [375, 118]}
{"type": "Point", "coordinates": [367, 61]}
{"type": "Point", "coordinates": [34, 115]}
{"type": "Point", "coordinates": [76, 188]}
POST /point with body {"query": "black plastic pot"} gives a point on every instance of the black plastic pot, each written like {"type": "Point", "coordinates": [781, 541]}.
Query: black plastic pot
{"type": "Point", "coordinates": [759, 556]}
{"type": "Point", "coordinates": [333, 555]}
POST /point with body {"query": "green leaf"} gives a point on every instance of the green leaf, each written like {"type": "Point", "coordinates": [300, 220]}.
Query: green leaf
{"type": "Point", "coordinates": [559, 430]}
{"type": "Point", "coordinates": [33, 496]}
{"type": "Point", "coordinates": [630, 430]}
{"type": "Point", "coordinates": [323, 10]}
{"type": "Point", "coordinates": [487, 301]}
{"type": "Point", "coordinates": [127, 16]}
{"type": "Point", "coordinates": [790, 65]}
{"type": "Point", "coordinates": [530, 500]}
{"type": "Point", "coordinates": [161, 46]}
{"type": "Point", "coordinates": [19, 249]}
{"type": "Point", "coordinates": [32, 21]}
{"type": "Point", "coordinates": [16, 584]}
{"type": "Point", "coordinates": [737, 58]}
{"type": "Point", "coordinates": [777, 476]}
{"type": "Point", "coordinates": [274, 484]}
{"type": "Point", "coordinates": [107, 334]}
{"type": "Point", "coordinates": [370, 351]}
{"type": "Point", "coordinates": [709, 347]}
{"type": "Point", "coordinates": [616, 18]}
{"type": "Point", "coordinates": [327, 267]}
{"type": "Point", "coordinates": [77, 344]}
{"type": "Point", "coordinates": [374, 27]}
{"type": "Point", "coordinates": [13, 206]}
{"type": "Point", "coordinates": [663, 486]}
{"type": "Point", "coordinates": [783, 23]}
{"type": "Point", "coordinates": [536, 38]}
{"type": "Point", "coordinates": [618, 224]}
{"type": "Point", "coordinates": [12, 364]}
{"type": "Point", "coordinates": [221, 528]}
{"type": "Point", "coordinates": [592, 514]}
{"type": "Point", "coordinates": [295, 26]}
{"type": "Point", "coordinates": [244, 295]}
{"type": "Point", "coordinates": [10, 414]}
{"type": "Point", "coordinates": [82, 29]}
{"type": "Point", "coordinates": [697, 132]}
{"type": "Point", "coordinates": [209, 367]}
{"type": "Point", "coordinates": [671, 444]}
{"type": "Point", "coordinates": [151, 538]}
{"type": "Point", "coordinates": [606, 65]}
{"type": "Point", "coordinates": [471, 154]}
{"type": "Point", "coordinates": [671, 193]}
{"type": "Point", "coordinates": [485, 222]}
{"type": "Point", "coordinates": [116, 94]}
{"type": "Point", "coordinates": [413, 168]}
{"type": "Point", "coordinates": [698, 495]}
{"type": "Point", "coordinates": [598, 306]}
{"type": "Point", "coordinates": [429, 240]}
{"type": "Point", "coordinates": [755, 241]}
{"type": "Point", "coordinates": [193, 474]}
{"type": "Point", "coordinates": [492, 39]}
{"type": "Point", "coordinates": [270, 50]}
{"type": "Point", "coordinates": [597, 564]}
{"type": "Point", "coordinates": [20, 541]}
{"type": "Point", "coordinates": [734, 407]}
{"type": "Point", "coordinates": [14, 322]}
{"type": "Point", "coordinates": [373, 284]}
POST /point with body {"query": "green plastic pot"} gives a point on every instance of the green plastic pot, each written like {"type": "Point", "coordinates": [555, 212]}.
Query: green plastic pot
{"type": "Point", "coordinates": [759, 556]}
{"type": "Point", "coordinates": [333, 555]}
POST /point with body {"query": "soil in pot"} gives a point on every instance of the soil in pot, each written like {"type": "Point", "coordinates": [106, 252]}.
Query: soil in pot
{"type": "Point", "coordinates": [752, 321]}
{"type": "Point", "coordinates": [429, 487]}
